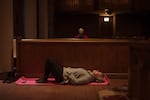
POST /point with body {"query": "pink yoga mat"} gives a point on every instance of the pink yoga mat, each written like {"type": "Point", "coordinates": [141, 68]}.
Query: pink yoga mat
{"type": "Point", "coordinates": [51, 81]}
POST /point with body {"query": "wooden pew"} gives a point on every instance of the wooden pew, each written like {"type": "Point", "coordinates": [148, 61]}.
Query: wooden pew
{"type": "Point", "coordinates": [139, 72]}
{"type": "Point", "coordinates": [106, 55]}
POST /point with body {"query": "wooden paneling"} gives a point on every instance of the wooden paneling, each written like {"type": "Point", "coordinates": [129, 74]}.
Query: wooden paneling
{"type": "Point", "coordinates": [50, 18]}
{"type": "Point", "coordinates": [111, 56]}
{"type": "Point", "coordinates": [43, 18]}
{"type": "Point", "coordinates": [139, 72]}
{"type": "Point", "coordinates": [140, 5]}
{"type": "Point", "coordinates": [74, 5]}
{"type": "Point", "coordinates": [135, 24]}
{"type": "Point", "coordinates": [67, 24]}
{"type": "Point", "coordinates": [113, 4]}
{"type": "Point", "coordinates": [106, 28]}
{"type": "Point", "coordinates": [18, 17]}
{"type": "Point", "coordinates": [30, 19]}
{"type": "Point", "coordinates": [128, 25]}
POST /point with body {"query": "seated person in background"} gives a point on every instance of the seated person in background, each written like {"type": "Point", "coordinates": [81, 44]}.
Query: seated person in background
{"type": "Point", "coordinates": [81, 34]}
{"type": "Point", "coordinates": [68, 75]}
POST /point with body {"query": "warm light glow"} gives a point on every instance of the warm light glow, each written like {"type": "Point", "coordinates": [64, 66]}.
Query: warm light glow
{"type": "Point", "coordinates": [106, 19]}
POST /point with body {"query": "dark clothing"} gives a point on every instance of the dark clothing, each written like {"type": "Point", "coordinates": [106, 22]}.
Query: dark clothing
{"type": "Point", "coordinates": [55, 69]}
{"type": "Point", "coordinates": [81, 36]}
{"type": "Point", "coordinates": [63, 75]}
{"type": "Point", "coordinates": [66, 75]}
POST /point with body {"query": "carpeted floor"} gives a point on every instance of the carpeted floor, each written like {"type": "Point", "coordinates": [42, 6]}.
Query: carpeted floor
{"type": "Point", "coordinates": [11, 91]}
{"type": "Point", "coordinates": [116, 93]}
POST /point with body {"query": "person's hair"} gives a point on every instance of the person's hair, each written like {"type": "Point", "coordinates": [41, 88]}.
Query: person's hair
{"type": "Point", "coordinates": [100, 78]}
{"type": "Point", "coordinates": [81, 28]}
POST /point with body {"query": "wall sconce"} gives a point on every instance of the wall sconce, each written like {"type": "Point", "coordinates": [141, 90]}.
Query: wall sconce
{"type": "Point", "coordinates": [106, 19]}
{"type": "Point", "coordinates": [108, 11]}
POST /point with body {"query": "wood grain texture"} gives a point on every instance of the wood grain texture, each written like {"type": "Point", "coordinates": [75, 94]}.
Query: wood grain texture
{"type": "Point", "coordinates": [112, 56]}
{"type": "Point", "coordinates": [139, 72]}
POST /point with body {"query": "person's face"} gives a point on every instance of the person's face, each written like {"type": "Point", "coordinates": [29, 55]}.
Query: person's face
{"type": "Point", "coordinates": [81, 30]}
{"type": "Point", "coordinates": [97, 73]}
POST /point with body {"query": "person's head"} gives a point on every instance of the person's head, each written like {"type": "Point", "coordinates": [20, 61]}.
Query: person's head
{"type": "Point", "coordinates": [81, 30]}
{"type": "Point", "coordinates": [98, 75]}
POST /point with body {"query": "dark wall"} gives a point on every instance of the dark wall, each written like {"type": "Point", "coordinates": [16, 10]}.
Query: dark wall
{"type": "Point", "coordinates": [133, 24]}
{"type": "Point", "coordinates": [18, 17]}
{"type": "Point", "coordinates": [128, 24]}
{"type": "Point", "coordinates": [66, 25]}
{"type": "Point", "coordinates": [106, 28]}
{"type": "Point", "coordinates": [146, 24]}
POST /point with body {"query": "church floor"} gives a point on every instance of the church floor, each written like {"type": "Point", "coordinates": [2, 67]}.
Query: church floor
{"type": "Point", "coordinates": [10, 91]}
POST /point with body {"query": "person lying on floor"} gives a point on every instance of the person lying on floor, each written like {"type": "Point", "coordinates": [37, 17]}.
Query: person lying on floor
{"type": "Point", "coordinates": [68, 75]}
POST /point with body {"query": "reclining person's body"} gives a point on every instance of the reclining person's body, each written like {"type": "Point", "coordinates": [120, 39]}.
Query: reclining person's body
{"type": "Point", "coordinates": [68, 75]}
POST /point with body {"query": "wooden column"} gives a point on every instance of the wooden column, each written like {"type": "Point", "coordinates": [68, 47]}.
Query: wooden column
{"type": "Point", "coordinates": [50, 18]}
{"type": "Point", "coordinates": [6, 34]}
{"type": "Point", "coordinates": [139, 73]}
{"type": "Point", "coordinates": [43, 19]}
{"type": "Point", "coordinates": [30, 18]}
